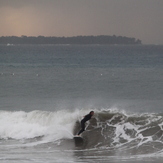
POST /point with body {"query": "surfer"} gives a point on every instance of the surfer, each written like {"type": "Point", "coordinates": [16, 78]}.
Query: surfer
{"type": "Point", "coordinates": [86, 118]}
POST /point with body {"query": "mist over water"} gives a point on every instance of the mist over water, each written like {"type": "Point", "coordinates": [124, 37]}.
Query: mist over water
{"type": "Point", "coordinates": [47, 89]}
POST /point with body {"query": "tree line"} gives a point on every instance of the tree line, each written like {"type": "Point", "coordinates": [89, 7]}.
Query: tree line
{"type": "Point", "coordinates": [102, 39]}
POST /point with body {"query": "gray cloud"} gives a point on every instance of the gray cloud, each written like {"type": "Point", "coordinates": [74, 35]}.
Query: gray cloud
{"type": "Point", "coordinates": [133, 18]}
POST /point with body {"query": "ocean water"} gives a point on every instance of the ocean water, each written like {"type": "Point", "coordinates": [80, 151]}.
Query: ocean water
{"type": "Point", "coordinates": [45, 90]}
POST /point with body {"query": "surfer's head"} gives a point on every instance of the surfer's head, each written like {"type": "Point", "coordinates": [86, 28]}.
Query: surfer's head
{"type": "Point", "coordinates": [92, 113]}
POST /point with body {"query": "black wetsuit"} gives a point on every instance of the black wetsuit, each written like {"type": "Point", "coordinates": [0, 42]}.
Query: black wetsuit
{"type": "Point", "coordinates": [86, 118]}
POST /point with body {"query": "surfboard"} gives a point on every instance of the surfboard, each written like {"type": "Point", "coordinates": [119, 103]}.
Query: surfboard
{"type": "Point", "coordinates": [78, 140]}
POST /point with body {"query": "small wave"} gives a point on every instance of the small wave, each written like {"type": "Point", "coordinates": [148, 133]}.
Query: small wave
{"type": "Point", "coordinates": [109, 129]}
{"type": "Point", "coordinates": [139, 133]}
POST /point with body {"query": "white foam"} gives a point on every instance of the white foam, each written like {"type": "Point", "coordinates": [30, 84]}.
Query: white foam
{"type": "Point", "coordinates": [52, 125]}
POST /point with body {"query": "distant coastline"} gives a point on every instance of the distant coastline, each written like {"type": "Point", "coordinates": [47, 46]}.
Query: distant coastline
{"type": "Point", "coordinates": [102, 39]}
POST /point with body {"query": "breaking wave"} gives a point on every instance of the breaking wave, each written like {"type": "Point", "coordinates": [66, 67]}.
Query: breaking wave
{"type": "Point", "coordinates": [110, 129]}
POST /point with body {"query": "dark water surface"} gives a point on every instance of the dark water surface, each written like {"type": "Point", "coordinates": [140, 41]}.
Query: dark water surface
{"type": "Point", "coordinates": [45, 90]}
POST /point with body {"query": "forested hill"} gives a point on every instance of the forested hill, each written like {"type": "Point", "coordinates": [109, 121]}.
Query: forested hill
{"type": "Point", "coordinates": [69, 40]}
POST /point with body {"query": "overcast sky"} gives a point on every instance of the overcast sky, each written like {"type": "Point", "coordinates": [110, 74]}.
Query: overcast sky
{"type": "Point", "coordinates": [142, 19]}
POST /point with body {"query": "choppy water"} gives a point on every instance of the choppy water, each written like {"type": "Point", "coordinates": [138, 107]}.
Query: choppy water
{"type": "Point", "coordinates": [45, 90]}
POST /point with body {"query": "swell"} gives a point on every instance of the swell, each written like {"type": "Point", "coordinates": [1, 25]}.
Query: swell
{"type": "Point", "coordinates": [109, 129]}
{"type": "Point", "coordinates": [136, 133]}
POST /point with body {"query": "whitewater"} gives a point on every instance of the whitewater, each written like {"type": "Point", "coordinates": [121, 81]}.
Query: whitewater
{"type": "Point", "coordinates": [110, 132]}
{"type": "Point", "coordinates": [45, 90]}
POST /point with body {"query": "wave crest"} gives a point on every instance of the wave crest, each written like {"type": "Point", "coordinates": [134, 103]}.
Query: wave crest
{"type": "Point", "coordinates": [141, 133]}
{"type": "Point", "coordinates": [109, 129]}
